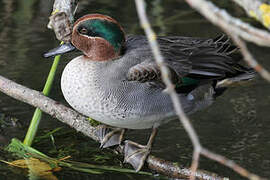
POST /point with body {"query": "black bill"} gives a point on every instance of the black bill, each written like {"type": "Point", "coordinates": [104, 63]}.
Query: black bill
{"type": "Point", "coordinates": [63, 48]}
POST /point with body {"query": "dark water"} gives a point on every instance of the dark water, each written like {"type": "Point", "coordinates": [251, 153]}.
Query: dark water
{"type": "Point", "coordinates": [237, 125]}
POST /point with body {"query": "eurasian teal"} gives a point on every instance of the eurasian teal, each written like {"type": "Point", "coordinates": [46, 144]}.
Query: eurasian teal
{"type": "Point", "coordinates": [118, 83]}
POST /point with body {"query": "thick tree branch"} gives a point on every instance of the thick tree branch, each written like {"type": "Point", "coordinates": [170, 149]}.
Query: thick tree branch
{"type": "Point", "coordinates": [47, 105]}
{"type": "Point", "coordinates": [81, 124]}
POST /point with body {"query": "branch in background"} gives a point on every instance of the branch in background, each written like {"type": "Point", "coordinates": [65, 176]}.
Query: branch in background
{"type": "Point", "coordinates": [62, 17]}
{"type": "Point", "coordinates": [235, 27]}
{"type": "Point", "coordinates": [224, 20]}
{"type": "Point", "coordinates": [258, 9]}
{"type": "Point", "coordinates": [81, 124]}
{"type": "Point", "coordinates": [198, 149]}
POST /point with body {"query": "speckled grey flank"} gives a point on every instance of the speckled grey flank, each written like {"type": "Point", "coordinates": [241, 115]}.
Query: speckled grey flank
{"type": "Point", "coordinates": [100, 90]}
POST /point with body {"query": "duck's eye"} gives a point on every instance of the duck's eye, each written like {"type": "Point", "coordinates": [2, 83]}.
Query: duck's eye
{"type": "Point", "coordinates": [83, 31]}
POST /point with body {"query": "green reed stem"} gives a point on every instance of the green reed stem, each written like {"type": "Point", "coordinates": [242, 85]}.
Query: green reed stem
{"type": "Point", "coordinates": [33, 127]}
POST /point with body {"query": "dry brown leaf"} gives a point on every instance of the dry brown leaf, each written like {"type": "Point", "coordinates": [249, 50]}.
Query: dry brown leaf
{"type": "Point", "coordinates": [36, 167]}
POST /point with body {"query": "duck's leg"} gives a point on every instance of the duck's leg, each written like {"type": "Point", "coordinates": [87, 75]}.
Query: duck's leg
{"type": "Point", "coordinates": [136, 154]}
{"type": "Point", "coordinates": [110, 136]}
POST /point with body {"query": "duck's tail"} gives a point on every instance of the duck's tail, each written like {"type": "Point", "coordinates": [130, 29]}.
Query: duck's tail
{"type": "Point", "coordinates": [241, 79]}
{"type": "Point", "coordinates": [237, 80]}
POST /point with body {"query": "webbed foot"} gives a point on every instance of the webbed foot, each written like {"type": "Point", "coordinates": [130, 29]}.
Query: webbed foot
{"type": "Point", "coordinates": [136, 154]}
{"type": "Point", "coordinates": [110, 136]}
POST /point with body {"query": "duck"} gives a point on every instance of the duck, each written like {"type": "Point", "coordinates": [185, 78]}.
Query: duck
{"type": "Point", "coordinates": [118, 83]}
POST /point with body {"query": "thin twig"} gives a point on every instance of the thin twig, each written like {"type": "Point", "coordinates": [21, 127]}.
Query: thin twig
{"type": "Point", "coordinates": [165, 73]}
{"type": "Point", "coordinates": [151, 36]}
{"type": "Point", "coordinates": [229, 163]}
{"type": "Point", "coordinates": [195, 163]}
{"type": "Point", "coordinates": [198, 149]}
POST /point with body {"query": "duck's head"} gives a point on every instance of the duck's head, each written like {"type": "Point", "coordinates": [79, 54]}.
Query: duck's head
{"type": "Point", "coordinates": [99, 37]}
